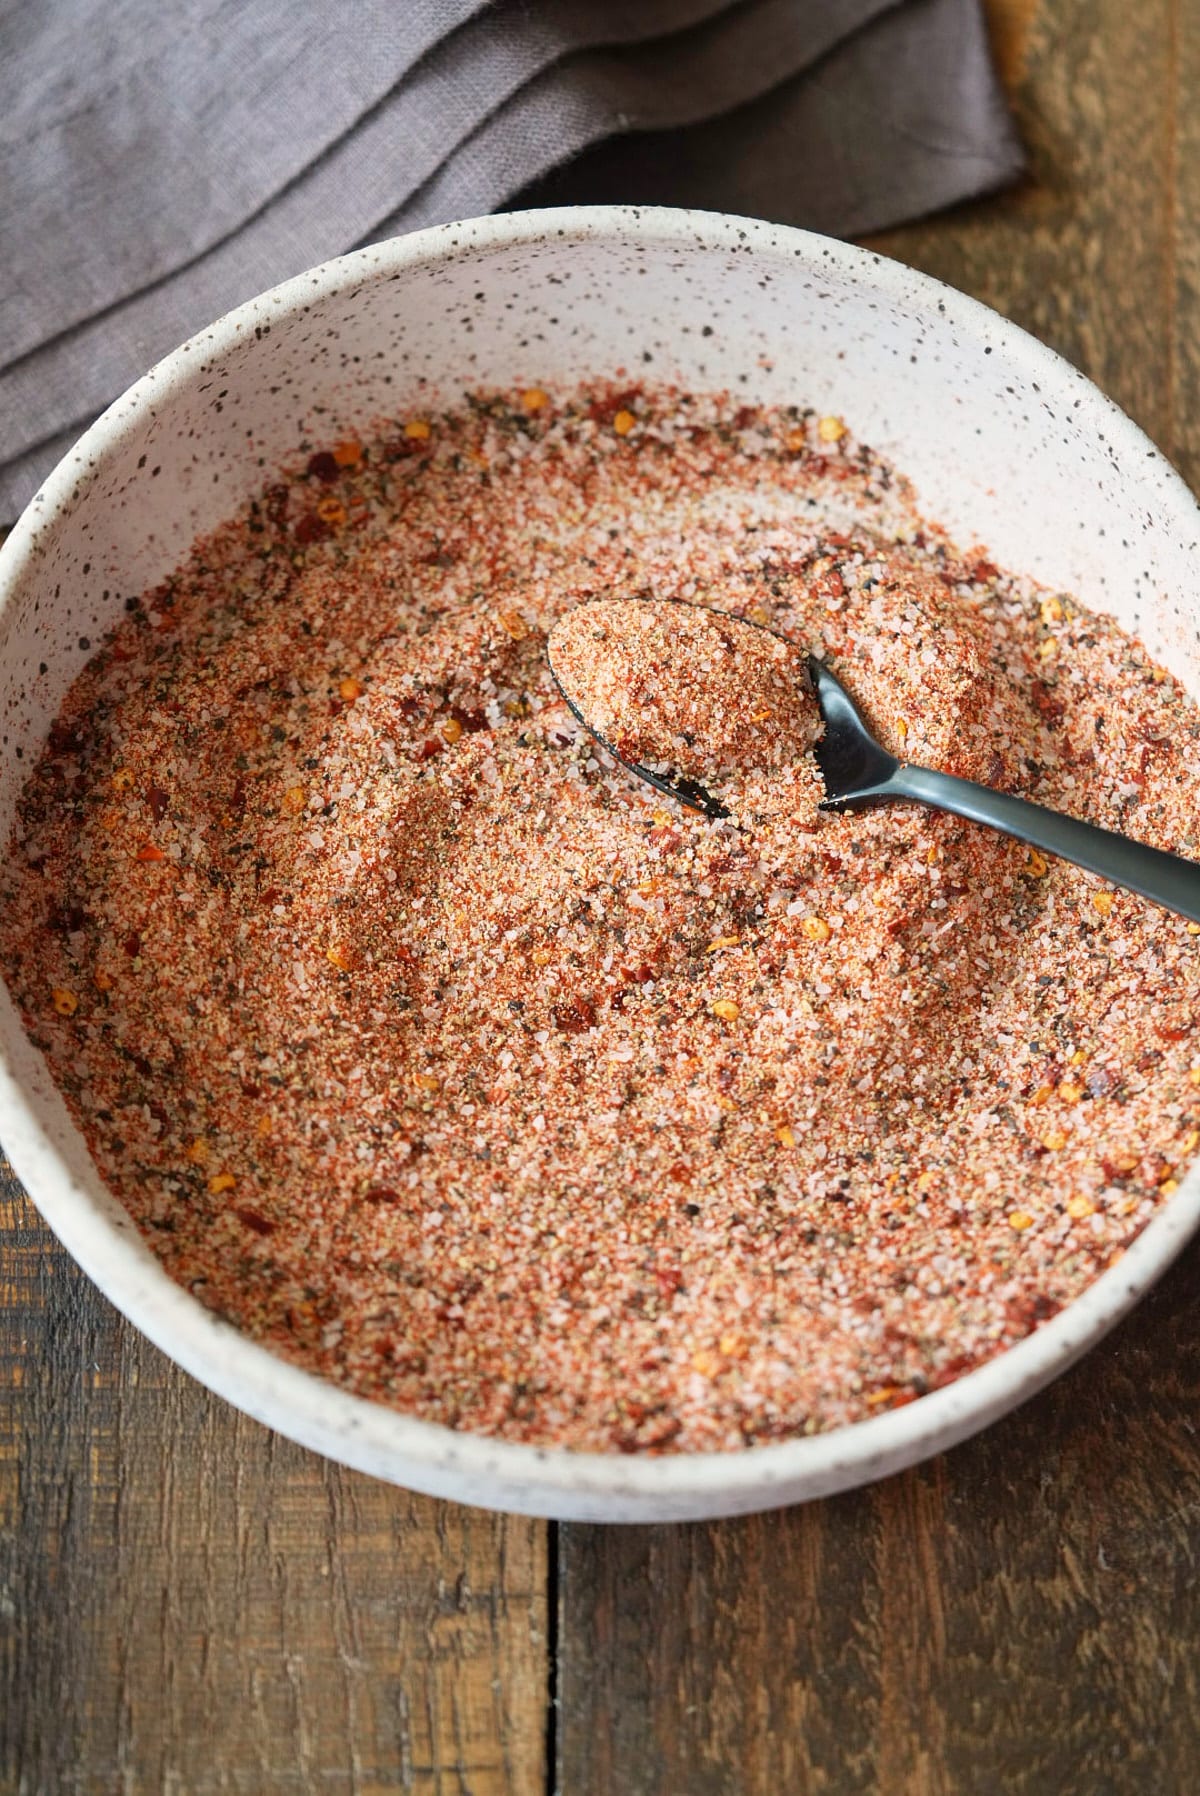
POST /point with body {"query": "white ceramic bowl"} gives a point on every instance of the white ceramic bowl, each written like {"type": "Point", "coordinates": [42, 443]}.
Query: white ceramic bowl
{"type": "Point", "coordinates": [1008, 446]}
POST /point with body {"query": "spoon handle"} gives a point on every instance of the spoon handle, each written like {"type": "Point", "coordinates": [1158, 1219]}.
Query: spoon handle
{"type": "Point", "coordinates": [1168, 879]}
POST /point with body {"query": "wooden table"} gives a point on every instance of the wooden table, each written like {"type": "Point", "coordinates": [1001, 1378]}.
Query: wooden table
{"type": "Point", "coordinates": [191, 1604]}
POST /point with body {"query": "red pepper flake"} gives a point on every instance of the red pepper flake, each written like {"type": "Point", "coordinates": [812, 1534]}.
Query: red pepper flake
{"type": "Point", "coordinates": [1177, 1030]}
{"type": "Point", "coordinates": [149, 851]}
{"type": "Point", "coordinates": [312, 528]}
{"type": "Point", "coordinates": [1052, 708]}
{"type": "Point", "coordinates": [576, 1016]}
{"type": "Point", "coordinates": [470, 722]}
{"type": "Point", "coordinates": [254, 1220]}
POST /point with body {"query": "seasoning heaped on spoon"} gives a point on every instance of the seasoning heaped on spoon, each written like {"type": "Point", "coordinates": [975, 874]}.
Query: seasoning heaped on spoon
{"type": "Point", "coordinates": [709, 708]}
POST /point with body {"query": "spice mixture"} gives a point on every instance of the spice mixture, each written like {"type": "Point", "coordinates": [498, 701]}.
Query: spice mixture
{"type": "Point", "coordinates": [440, 1054]}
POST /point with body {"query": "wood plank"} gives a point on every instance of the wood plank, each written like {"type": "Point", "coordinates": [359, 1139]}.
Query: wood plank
{"type": "Point", "coordinates": [1018, 1615]}
{"type": "Point", "coordinates": [190, 1603]}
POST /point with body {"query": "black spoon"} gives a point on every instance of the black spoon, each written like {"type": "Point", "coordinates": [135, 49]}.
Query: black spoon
{"type": "Point", "coordinates": [857, 771]}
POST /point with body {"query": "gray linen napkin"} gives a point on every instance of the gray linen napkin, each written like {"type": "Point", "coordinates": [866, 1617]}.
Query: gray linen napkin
{"type": "Point", "coordinates": [145, 134]}
{"type": "Point", "coordinates": [465, 155]}
{"type": "Point", "coordinates": [171, 173]}
{"type": "Point", "coordinates": [895, 122]}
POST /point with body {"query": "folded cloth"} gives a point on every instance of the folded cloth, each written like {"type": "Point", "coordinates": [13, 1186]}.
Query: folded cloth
{"type": "Point", "coordinates": [142, 135]}
{"type": "Point", "coordinates": [897, 121]}
{"type": "Point", "coordinates": [150, 178]}
{"type": "Point", "coordinates": [555, 105]}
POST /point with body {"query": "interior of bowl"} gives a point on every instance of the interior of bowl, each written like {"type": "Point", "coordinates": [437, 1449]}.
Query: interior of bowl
{"type": "Point", "coordinates": [1006, 446]}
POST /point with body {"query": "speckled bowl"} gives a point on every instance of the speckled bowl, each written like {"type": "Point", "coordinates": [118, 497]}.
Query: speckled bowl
{"type": "Point", "coordinates": [1008, 446]}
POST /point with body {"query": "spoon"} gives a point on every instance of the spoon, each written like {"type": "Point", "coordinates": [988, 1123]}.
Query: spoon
{"type": "Point", "coordinates": [858, 771]}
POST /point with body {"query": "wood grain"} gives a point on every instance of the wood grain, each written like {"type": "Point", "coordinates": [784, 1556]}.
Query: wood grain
{"type": "Point", "coordinates": [1016, 1616]}
{"type": "Point", "coordinates": [190, 1604]}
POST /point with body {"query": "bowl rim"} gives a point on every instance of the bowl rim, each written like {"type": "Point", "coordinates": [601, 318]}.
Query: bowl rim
{"type": "Point", "coordinates": [427, 1456]}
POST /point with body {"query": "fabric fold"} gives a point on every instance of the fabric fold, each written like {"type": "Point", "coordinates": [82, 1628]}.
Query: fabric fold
{"type": "Point", "coordinates": [897, 121]}
{"type": "Point", "coordinates": [842, 115]}
{"type": "Point", "coordinates": [189, 145]}
{"type": "Point", "coordinates": [486, 111]}
{"type": "Point", "coordinates": [170, 139]}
